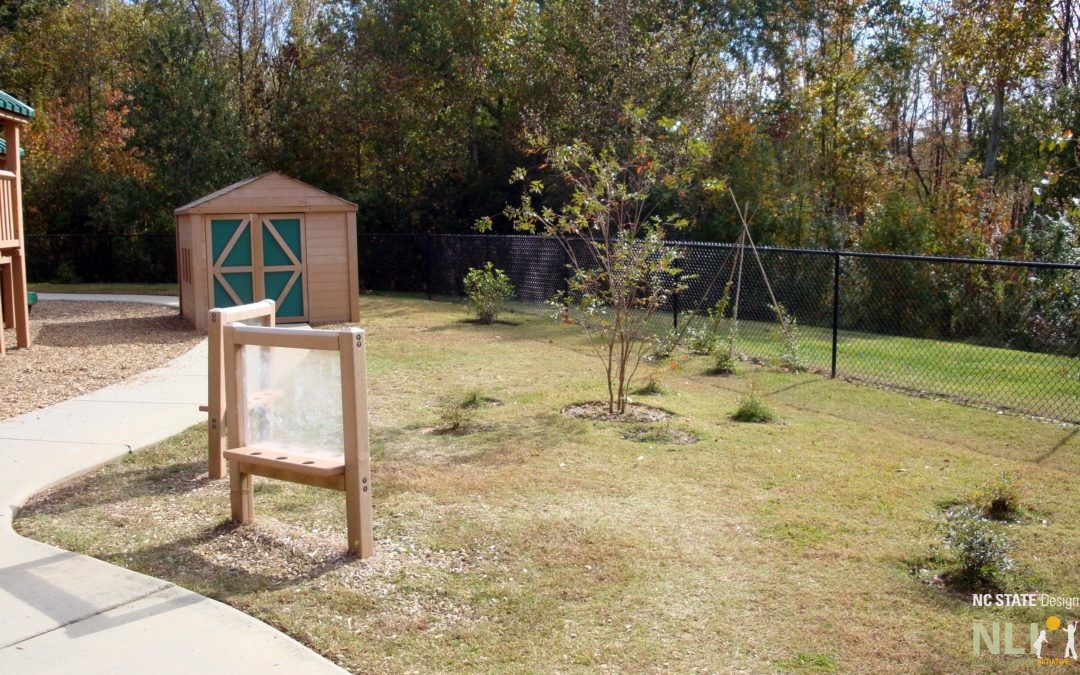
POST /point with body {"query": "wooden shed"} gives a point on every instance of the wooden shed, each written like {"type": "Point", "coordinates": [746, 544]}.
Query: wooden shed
{"type": "Point", "coordinates": [269, 237]}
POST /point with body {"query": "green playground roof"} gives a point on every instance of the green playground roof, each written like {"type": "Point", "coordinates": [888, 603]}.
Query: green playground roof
{"type": "Point", "coordinates": [12, 104]}
{"type": "Point", "coordinates": [3, 148]}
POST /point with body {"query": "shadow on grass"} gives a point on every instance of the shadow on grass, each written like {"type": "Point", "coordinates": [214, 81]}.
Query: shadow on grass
{"type": "Point", "coordinates": [180, 561]}
{"type": "Point", "coordinates": [459, 323]}
{"type": "Point", "coordinates": [1058, 446]}
{"type": "Point", "coordinates": [156, 481]}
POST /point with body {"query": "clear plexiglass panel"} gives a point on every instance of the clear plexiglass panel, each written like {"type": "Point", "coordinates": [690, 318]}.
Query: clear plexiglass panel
{"type": "Point", "coordinates": [293, 399]}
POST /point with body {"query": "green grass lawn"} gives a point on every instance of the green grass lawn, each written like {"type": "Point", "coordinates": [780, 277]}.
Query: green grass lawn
{"type": "Point", "coordinates": [540, 543]}
{"type": "Point", "coordinates": [109, 288]}
{"type": "Point", "coordinates": [1035, 384]}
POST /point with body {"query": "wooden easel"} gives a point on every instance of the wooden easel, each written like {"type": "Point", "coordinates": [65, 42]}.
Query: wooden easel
{"type": "Point", "coordinates": [215, 407]}
{"type": "Point", "coordinates": [351, 474]}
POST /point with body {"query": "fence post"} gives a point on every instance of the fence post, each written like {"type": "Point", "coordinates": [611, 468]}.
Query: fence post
{"type": "Point", "coordinates": [835, 309]}
{"type": "Point", "coordinates": [428, 254]}
{"type": "Point", "coordinates": [675, 309]}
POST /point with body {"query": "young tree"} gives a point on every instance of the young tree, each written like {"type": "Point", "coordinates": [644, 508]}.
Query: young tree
{"type": "Point", "coordinates": [622, 271]}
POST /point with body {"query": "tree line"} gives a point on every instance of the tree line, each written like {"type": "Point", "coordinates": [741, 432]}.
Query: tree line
{"type": "Point", "coordinates": [940, 127]}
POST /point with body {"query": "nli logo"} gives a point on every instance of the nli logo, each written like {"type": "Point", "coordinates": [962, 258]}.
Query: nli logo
{"type": "Point", "coordinates": [1007, 638]}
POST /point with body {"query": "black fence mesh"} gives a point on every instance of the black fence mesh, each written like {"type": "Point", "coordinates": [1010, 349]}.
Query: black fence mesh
{"type": "Point", "coordinates": [73, 258]}
{"type": "Point", "coordinates": [997, 334]}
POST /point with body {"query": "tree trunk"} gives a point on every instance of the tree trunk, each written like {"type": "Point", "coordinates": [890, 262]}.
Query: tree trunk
{"type": "Point", "coordinates": [993, 140]}
{"type": "Point", "coordinates": [1065, 62]}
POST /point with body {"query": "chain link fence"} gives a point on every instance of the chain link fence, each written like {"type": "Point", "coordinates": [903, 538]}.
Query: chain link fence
{"type": "Point", "coordinates": [991, 333]}
{"type": "Point", "coordinates": [996, 334]}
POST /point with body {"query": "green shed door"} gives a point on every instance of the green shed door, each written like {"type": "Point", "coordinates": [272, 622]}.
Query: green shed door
{"type": "Point", "coordinates": [230, 245]}
{"type": "Point", "coordinates": [282, 265]}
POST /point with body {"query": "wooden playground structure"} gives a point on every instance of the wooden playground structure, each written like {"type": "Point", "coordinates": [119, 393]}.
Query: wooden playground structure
{"type": "Point", "coordinates": [13, 301]}
{"type": "Point", "coordinates": [249, 404]}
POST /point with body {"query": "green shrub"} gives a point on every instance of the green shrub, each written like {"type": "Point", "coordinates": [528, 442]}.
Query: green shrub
{"type": "Point", "coordinates": [457, 414]}
{"type": "Point", "coordinates": [752, 408]}
{"type": "Point", "coordinates": [981, 552]}
{"type": "Point", "coordinates": [664, 345]}
{"type": "Point", "coordinates": [710, 337]}
{"type": "Point", "coordinates": [999, 498]}
{"type": "Point", "coordinates": [472, 399]}
{"type": "Point", "coordinates": [723, 363]}
{"type": "Point", "coordinates": [454, 418]}
{"type": "Point", "coordinates": [652, 387]}
{"type": "Point", "coordinates": [488, 290]}
{"type": "Point", "coordinates": [789, 334]}
{"type": "Point", "coordinates": [702, 340]}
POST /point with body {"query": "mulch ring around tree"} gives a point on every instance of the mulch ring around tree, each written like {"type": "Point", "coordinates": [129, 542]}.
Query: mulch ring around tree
{"type": "Point", "coordinates": [635, 412]}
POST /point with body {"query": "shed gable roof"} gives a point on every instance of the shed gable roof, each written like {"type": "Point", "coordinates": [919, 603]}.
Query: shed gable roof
{"type": "Point", "coordinates": [269, 193]}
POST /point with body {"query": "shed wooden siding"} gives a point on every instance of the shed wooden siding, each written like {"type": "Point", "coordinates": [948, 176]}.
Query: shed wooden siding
{"type": "Point", "coordinates": [327, 266]}
{"type": "Point", "coordinates": [331, 288]}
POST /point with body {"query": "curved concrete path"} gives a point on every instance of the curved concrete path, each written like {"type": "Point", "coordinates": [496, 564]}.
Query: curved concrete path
{"type": "Point", "coordinates": [166, 300]}
{"type": "Point", "coordinates": [62, 611]}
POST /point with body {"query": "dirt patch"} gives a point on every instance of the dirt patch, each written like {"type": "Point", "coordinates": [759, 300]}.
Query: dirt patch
{"type": "Point", "coordinates": [661, 435]}
{"type": "Point", "coordinates": [635, 412]}
{"type": "Point", "coordinates": [80, 347]}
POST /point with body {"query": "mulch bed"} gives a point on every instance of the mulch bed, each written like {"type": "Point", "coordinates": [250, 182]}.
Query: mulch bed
{"type": "Point", "coordinates": [598, 410]}
{"type": "Point", "coordinates": [80, 347]}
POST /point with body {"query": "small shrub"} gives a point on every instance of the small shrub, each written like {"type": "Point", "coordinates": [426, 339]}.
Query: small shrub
{"type": "Point", "coordinates": [980, 551]}
{"type": "Point", "coordinates": [652, 387]}
{"type": "Point", "coordinates": [752, 408]}
{"type": "Point", "coordinates": [709, 338]}
{"type": "Point", "coordinates": [723, 363]}
{"type": "Point", "coordinates": [457, 414]}
{"type": "Point", "coordinates": [454, 418]}
{"type": "Point", "coordinates": [701, 341]}
{"type": "Point", "coordinates": [488, 290]}
{"type": "Point", "coordinates": [473, 399]}
{"type": "Point", "coordinates": [664, 345]}
{"type": "Point", "coordinates": [999, 498]}
{"type": "Point", "coordinates": [789, 334]}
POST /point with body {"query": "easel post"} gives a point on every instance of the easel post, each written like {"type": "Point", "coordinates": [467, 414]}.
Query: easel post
{"type": "Point", "coordinates": [354, 420]}
{"type": "Point", "coordinates": [240, 496]}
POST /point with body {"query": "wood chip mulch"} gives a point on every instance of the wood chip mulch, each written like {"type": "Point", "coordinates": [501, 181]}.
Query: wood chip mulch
{"type": "Point", "coordinates": [80, 347]}
{"type": "Point", "coordinates": [635, 412]}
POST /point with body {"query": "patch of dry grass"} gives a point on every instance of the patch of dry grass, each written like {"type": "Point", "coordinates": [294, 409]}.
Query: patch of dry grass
{"type": "Point", "coordinates": [545, 543]}
{"type": "Point", "coordinates": [80, 347]}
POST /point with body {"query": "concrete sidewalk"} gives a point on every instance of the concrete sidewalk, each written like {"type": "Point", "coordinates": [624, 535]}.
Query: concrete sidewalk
{"type": "Point", "coordinates": [166, 300]}
{"type": "Point", "coordinates": [61, 611]}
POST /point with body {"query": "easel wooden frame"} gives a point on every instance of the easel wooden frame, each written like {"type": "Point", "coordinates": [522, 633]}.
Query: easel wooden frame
{"type": "Point", "coordinates": [351, 475]}
{"type": "Point", "coordinates": [215, 408]}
